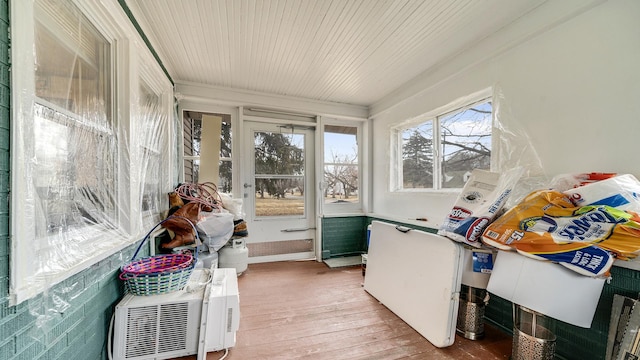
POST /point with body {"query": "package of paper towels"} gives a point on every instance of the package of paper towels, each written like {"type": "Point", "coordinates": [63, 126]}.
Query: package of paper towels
{"type": "Point", "coordinates": [480, 201]}
{"type": "Point", "coordinates": [546, 225]}
{"type": "Point", "coordinates": [621, 192]}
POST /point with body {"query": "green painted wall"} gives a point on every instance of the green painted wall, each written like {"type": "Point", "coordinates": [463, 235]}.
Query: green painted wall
{"type": "Point", "coordinates": [80, 332]}
{"type": "Point", "coordinates": [343, 236]}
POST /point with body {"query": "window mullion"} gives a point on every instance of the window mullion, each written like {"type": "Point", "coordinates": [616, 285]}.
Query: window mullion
{"type": "Point", "coordinates": [437, 155]}
{"type": "Point", "coordinates": [400, 166]}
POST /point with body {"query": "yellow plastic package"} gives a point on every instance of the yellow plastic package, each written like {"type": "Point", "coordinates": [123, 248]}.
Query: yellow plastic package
{"type": "Point", "coordinates": [547, 226]}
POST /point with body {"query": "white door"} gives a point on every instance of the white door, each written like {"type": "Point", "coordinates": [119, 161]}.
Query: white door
{"type": "Point", "coordinates": [279, 192]}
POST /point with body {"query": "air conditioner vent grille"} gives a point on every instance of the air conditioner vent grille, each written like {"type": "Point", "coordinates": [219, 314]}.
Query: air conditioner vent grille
{"type": "Point", "coordinates": [142, 326]}
{"type": "Point", "coordinates": [173, 325]}
{"type": "Point", "coordinates": [229, 319]}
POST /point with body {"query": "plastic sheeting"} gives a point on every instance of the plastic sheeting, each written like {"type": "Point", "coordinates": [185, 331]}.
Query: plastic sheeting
{"type": "Point", "coordinates": [91, 149]}
{"type": "Point", "coordinates": [512, 148]}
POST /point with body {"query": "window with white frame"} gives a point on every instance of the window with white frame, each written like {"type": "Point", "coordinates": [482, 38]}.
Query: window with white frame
{"type": "Point", "coordinates": [83, 157]}
{"type": "Point", "coordinates": [153, 114]}
{"type": "Point", "coordinates": [150, 109]}
{"type": "Point", "coordinates": [193, 147]}
{"type": "Point", "coordinates": [439, 151]}
{"type": "Point", "coordinates": [76, 149]}
{"type": "Point", "coordinates": [342, 184]}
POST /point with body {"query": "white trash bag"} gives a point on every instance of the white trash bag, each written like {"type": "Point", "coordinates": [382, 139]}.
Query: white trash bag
{"type": "Point", "coordinates": [215, 229]}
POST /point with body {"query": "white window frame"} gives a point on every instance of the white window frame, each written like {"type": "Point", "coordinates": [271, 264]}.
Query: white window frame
{"type": "Point", "coordinates": [187, 105]}
{"type": "Point", "coordinates": [348, 207]}
{"type": "Point", "coordinates": [396, 164]}
{"type": "Point", "coordinates": [114, 25]}
{"type": "Point", "coordinates": [221, 158]}
{"type": "Point", "coordinates": [152, 76]}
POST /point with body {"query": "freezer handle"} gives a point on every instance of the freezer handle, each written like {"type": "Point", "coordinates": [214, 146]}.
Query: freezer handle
{"type": "Point", "coordinates": [403, 229]}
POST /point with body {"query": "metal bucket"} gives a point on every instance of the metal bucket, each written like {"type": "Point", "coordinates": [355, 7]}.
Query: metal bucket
{"type": "Point", "coordinates": [533, 336]}
{"type": "Point", "coordinates": [470, 322]}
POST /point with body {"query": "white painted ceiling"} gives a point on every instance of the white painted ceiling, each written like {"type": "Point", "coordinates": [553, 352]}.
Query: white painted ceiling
{"type": "Point", "coordinates": [346, 51]}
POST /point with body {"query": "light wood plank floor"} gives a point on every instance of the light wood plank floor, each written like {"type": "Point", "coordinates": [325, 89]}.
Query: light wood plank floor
{"type": "Point", "coordinates": [305, 310]}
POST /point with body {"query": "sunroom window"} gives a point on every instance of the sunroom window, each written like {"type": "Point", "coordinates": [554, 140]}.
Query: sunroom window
{"type": "Point", "coordinates": [86, 158]}
{"type": "Point", "coordinates": [439, 152]}
{"type": "Point", "coordinates": [74, 168]}
{"type": "Point", "coordinates": [342, 183]}
{"type": "Point", "coordinates": [151, 113]}
{"type": "Point", "coordinates": [214, 151]}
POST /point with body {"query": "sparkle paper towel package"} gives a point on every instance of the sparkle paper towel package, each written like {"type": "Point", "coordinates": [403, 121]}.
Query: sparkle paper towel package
{"type": "Point", "coordinates": [546, 225]}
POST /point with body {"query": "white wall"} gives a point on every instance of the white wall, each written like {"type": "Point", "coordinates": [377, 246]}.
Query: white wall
{"type": "Point", "coordinates": [573, 89]}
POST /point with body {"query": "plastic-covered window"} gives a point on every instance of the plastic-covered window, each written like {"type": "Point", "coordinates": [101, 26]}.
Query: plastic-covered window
{"type": "Point", "coordinates": [152, 118]}
{"type": "Point", "coordinates": [91, 142]}
{"type": "Point", "coordinates": [76, 146]}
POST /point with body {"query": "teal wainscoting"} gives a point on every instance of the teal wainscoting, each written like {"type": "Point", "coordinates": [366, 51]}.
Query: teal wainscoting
{"type": "Point", "coordinates": [77, 328]}
{"type": "Point", "coordinates": [343, 236]}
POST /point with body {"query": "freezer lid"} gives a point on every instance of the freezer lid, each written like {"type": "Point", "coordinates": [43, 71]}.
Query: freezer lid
{"type": "Point", "coordinates": [416, 275]}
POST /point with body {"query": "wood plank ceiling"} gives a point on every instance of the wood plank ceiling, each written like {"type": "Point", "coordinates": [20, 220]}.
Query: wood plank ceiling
{"type": "Point", "coordinates": [346, 51]}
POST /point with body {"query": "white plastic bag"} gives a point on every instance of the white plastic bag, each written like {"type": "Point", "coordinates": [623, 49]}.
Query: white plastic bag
{"type": "Point", "coordinates": [215, 229]}
{"type": "Point", "coordinates": [233, 205]}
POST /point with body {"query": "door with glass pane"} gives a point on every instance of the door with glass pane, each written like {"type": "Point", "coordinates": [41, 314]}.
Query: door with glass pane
{"type": "Point", "coordinates": [279, 192]}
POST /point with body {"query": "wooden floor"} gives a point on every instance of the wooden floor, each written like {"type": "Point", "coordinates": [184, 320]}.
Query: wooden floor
{"type": "Point", "coordinates": [305, 310]}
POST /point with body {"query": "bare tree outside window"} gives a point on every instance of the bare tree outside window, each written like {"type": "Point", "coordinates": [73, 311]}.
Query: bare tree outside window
{"type": "Point", "coordinates": [464, 143]}
{"type": "Point", "coordinates": [341, 176]}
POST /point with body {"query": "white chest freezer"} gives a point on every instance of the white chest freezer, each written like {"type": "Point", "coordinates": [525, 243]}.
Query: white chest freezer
{"type": "Point", "coordinates": [202, 317]}
{"type": "Point", "coordinates": [416, 275]}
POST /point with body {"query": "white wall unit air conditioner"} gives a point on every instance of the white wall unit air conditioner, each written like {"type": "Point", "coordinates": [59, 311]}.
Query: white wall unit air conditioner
{"type": "Point", "coordinates": [202, 317]}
